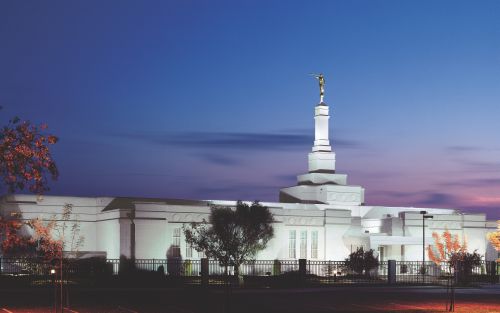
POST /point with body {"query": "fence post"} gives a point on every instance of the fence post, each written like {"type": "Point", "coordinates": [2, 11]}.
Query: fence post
{"type": "Point", "coordinates": [492, 269]}
{"type": "Point", "coordinates": [302, 270]}
{"type": "Point", "coordinates": [204, 272]}
{"type": "Point", "coordinates": [302, 267]}
{"type": "Point", "coordinates": [458, 272]}
{"type": "Point", "coordinates": [391, 272]}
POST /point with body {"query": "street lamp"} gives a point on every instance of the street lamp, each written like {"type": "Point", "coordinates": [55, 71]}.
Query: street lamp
{"type": "Point", "coordinates": [53, 273]}
{"type": "Point", "coordinates": [424, 216]}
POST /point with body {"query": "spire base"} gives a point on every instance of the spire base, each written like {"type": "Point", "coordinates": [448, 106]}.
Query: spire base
{"type": "Point", "coordinates": [321, 149]}
{"type": "Point", "coordinates": [322, 161]}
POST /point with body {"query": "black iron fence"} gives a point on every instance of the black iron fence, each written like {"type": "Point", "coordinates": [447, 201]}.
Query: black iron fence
{"type": "Point", "coordinates": [255, 272]}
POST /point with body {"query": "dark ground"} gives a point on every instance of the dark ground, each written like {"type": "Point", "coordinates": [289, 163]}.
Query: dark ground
{"type": "Point", "coordinates": [197, 300]}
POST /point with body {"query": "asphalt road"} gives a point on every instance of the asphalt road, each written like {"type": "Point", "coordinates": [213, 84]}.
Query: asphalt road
{"type": "Point", "coordinates": [195, 300]}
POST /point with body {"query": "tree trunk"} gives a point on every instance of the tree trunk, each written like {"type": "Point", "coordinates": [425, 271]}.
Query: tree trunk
{"type": "Point", "coordinates": [237, 274]}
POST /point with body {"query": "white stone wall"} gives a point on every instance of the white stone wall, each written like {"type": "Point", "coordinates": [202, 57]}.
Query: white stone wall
{"type": "Point", "coordinates": [341, 229]}
{"type": "Point", "coordinates": [108, 236]}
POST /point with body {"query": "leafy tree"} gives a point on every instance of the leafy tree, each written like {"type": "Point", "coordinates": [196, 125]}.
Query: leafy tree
{"type": "Point", "coordinates": [467, 261]}
{"type": "Point", "coordinates": [10, 232]}
{"type": "Point", "coordinates": [447, 248]}
{"type": "Point", "coordinates": [232, 235]}
{"type": "Point", "coordinates": [57, 235]}
{"type": "Point", "coordinates": [25, 162]}
{"type": "Point", "coordinates": [494, 238]}
{"type": "Point", "coordinates": [361, 261]}
{"type": "Point", "coordinates": [450, 250]}
{"type": "Point", "coordinates": [48, 238]}
{"type": "Point", "coordinates": [25, 159]}
{"type": "Point", "coordinates": [53, 237]}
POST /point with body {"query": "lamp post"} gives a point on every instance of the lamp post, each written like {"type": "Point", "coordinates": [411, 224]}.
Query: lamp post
{"type": "Point", "coordinates": [61, 266]}
{"type": "Point", "coordinates": [53, 273]}
{"type": "Point", "coordinates": [424, 216]}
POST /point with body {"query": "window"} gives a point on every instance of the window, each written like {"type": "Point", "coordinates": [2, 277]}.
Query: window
{"type": "Point", "coordinates": [189, 251]}
{"type": "Point", "coordinates": [314, 244]}
{"type": "Point", "coordinates": [201, 254]}
{"type": "Point", "coordinates": [291, 244]}
{"type": "Point", "coordinates": [303, 244]}
{"type": "Point", "coordinates": [176, 243]}
{"type": "Point", "coordinates": [381, 256]}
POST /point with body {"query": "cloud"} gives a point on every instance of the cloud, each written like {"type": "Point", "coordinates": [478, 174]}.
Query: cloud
{"type": "Point", "coordinates": [236, 140]}
{"type": "Point", "coordinates": [239, 192]}
{"type": "Point", "coordinates": [348, 144]}
{"type": "Point", "coordinates": [287, 178]}
{"type": "Point", "coordinates": [371, 174]}
{"type": "Point", "coordinates": [459, 148]}
{"type": "Point", "coordinates": [492, 211]}
{"type": "Point", "coordinates": [401, 194]}
{"type": "Point", "coordinates": [219, 159]}
{"type": "Point", "coordinates": [470, 161]}
{"type": "Point", "coordinates": [437, 199]}
{"type": "Point", "coordinates": [424, 198]}
{"type": "Point", "coordinates": [479, 182]}
{"type": "Point", "coordinates": [431, 199]}
{"type": "Point", "coordinates": [243, 141]}
{"type": "Point", "coordinates": [479, 166]}
{"type": "Point", "coordinates": [250, 141]}
{"type": "Point", "coordinates": [236, 189]}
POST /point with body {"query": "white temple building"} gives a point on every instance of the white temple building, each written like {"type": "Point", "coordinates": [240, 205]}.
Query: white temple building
{"type": "Point", "coordinates": [321, 218]}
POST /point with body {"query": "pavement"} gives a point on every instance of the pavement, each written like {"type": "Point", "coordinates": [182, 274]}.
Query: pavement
{"type": "Point", "coordinates": [198, 300]}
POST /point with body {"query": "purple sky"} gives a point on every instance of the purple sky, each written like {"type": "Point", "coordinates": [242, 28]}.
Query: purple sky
{"type": "Point", "coordinates": [212, 99]}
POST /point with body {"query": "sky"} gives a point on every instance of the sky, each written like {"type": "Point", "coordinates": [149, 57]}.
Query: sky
{"type": "Point", "coordinates": [213, 99]}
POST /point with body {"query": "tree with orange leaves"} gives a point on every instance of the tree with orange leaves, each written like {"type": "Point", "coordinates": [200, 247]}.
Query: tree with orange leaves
{"type": "Point", "coordinates": [12, 241]}
{"type": "Point", "coordinates": [450, 250]}
{"type": "Point", "coordinates": [57, 234]}
{"type": "Point", "coordinates": [25, 163]}
{"type": "Point", "coordinates": [43, 239]}
{"type": "Point", "coordinates": [25, 158]}
{"type": "Point", "coordinates": [494, 238]}
{"type": "Point", "coordinates": [446, 246]}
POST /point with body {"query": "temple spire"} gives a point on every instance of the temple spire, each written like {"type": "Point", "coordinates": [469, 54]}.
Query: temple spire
{"type": "Point", "coordinates": [322, 184]}
{"type": "Point", "coordinates": [321, 120]}
{"type": "Point", "coordinates": [322, 158]}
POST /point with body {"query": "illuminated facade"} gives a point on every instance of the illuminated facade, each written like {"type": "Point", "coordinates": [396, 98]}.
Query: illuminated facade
{"type": "Point", "coordinates": [322, 218]}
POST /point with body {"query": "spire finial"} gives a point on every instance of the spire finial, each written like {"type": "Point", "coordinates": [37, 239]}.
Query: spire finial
{"type": "Point", "coordinates": [321, 80]}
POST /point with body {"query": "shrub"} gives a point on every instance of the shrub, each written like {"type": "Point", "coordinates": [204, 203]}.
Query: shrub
{"type": "Point", "coordinates": [126, 266]}
{"type": "Point", "coordinates": [188, 268]}
{"type": "Point", "coordinates": [276, 267]}
{"type": "Point", "coordinates": [161, 270]}
{"type": "Point", "coordinates": [464, 263]}
{"type": "Point", "coordinates": [361, 262]}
